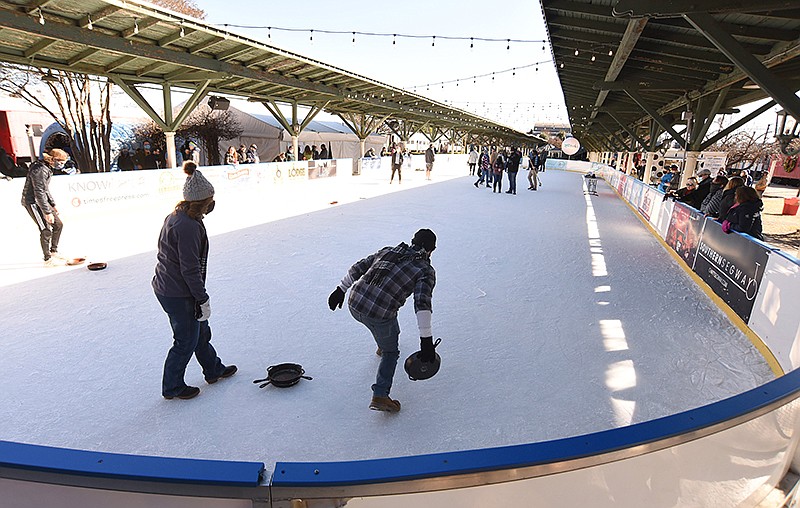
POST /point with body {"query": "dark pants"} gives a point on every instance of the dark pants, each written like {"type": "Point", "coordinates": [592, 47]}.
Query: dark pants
{"type": "Point", "coordinates": [498, 182]}
{"type": "Point", "coordinates": [399, 175]}
{"type": "Point", "coordinates": [190, 337]}
{"type": "Point", "coordinates": [49, 234]}
{"type": "Point", "coordinates": [512, 182]}
{"type": "Point", "coordinates": [471, 168]}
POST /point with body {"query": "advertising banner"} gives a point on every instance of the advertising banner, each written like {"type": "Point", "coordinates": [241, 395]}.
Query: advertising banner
{"type": "Point", "coordinates": [683, 233]}
{"type": "Point", "coordinates": [370, 164]}
{"type": "Point", "coordinates": [321, 169]}
{"type": "Point", "coordinates": [622, 179]}
{"type": "Point", "coordinates": [650, 204]}
{"type": "Point", "coordinates": [732, 266]}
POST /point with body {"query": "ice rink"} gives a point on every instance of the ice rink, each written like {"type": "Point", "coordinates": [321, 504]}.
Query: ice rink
{"type": "Point", "coordinates": [559, 313]}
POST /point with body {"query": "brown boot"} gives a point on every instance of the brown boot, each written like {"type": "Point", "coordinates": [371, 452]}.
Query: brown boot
{"type": "Point", "coordinates": [379, 352]}
{"type": "Point", "coordinates": [384, 404]}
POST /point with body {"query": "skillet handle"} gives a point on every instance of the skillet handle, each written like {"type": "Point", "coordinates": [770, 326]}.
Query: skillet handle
{"type": "Point", "coordinates": [260, 380]}
{"type": "Point", "coordinates": [265, 384]}
{"type": "Point", "coordinates": [307, 377]}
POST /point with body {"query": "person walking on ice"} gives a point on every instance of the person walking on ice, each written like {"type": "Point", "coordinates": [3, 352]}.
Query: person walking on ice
{"type": "Point", "coordinates": [41, 206]}
{"type": "Point", "coordinates": [180, 287]}
{"type": "Point", "coordinates": [381, 283]}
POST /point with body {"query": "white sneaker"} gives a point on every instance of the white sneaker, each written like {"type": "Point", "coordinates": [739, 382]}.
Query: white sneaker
{"type": "Point", "coordinates": [56, 255]}
{"type": "Point", "coordinates": [53, 261]}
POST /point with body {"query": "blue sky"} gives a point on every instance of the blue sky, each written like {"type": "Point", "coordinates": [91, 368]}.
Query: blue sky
{"type": "Point", "coordinates": [518, 98]}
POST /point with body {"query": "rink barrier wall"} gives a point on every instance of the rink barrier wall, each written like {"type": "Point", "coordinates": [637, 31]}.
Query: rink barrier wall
{"type": "Point", "coordinates": [727, 453]}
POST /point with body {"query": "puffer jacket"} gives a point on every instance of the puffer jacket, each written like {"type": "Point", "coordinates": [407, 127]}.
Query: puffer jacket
{"type": "Point", "coordinates": [710, 205]}
{"type": "Point", "coordinates": [745, 218]}
{"type": "Point", "coordinates": [726, 202]}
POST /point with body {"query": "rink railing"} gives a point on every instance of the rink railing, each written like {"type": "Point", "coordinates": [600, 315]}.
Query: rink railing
{"type": "Point", "coordinates": [728, 453]}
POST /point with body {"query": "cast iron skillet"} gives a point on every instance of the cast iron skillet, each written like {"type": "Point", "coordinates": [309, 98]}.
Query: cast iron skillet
{"type": "Point", "coordinates": [283, 375]}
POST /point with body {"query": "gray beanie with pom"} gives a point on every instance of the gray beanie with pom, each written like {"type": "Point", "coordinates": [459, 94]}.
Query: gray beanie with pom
{"type": "Point", "coordinates": [197, 188]}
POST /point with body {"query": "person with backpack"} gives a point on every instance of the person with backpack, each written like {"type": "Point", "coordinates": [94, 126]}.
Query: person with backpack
{"type": "Point", "coordinates": [497, 171]}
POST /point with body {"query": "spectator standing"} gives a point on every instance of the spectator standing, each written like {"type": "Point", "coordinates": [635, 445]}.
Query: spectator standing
{"type": "Point", "coordinates": [308, 154]}
{"type": "Point", "coordinates": [728, 196]}
{"type": "Point", "coordinates": [125, 160]}
{"type": "Point", "coordinates": [241, 154]}
{"type": "Point", "coordinates": [695, 197]}
{"type": "Point", "coordinates": [381, 283]}
{"type": "Point", "coordinates": [430, 156]}
{"type": "Point", "coordinates": [314, 152]}
{"type": "Point", "coordinates": [232, 156]}
{"type": "Point", "coordinates": [542, 160]}
{"type": "Point", "coordinates": [41, 206]}
{"type": "Point", "coordinates": [533, 170]}
{"type": "Point", "coordinates": [745, 175]}
{"type": "Point", "coordinates": [512, 167]}
{"type": "Point", "coordinates": [193, 153]}
{"type": "Point", "coordinates": [497, 172]}
{"type": "Point", "coordinates": [745, 214]}
{"type": "Point", "coordinates": [472, 161]}
{"type": "Point", "coordinates": [180, 287]}
{"type": "Point", "coordinates": [710, 205]}
{"type": "Point", "coordinates": [289, 156]}
{"type": "Point", "coordinates": [251, 157]}
{"type": "Point", "coordinates": [397, 164]}
{"type": "Point", "coordinates": [323, 152]}
{"type": "Point", "coordinates": [666, 179]}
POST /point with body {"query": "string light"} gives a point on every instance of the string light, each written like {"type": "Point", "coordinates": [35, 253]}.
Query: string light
{"type": "Point", "coordinates": [354, 38]}
{"type": "Point", "coordinates": [610, 52]}
{"type": "Point", "coordinates": [508, 44]}
{"type": "Point", "coordinates": [183, 33]}
{"type": "Point", "coordinates": [576, 52]}
{"type": "Point", "coordinates": [311, 37]}
{"type": "Point", "coordinates": [41, 17]}
{"type": "Point", "coordinates": [135, 26]}
{"type": "Point", "coordinates": [593, 58]}
{"type": "Point", "coordinates": [394, 39]}
{"type": "Point", "coordinates": [89, 25]}
{"type": "Point", "coordinates": [433, 41]}
{"type": "Point", "coordinates": [269, 32]}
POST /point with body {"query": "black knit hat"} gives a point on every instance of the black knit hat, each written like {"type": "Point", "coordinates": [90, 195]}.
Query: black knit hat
{"type": "Point", "coordinates": [425, 238]}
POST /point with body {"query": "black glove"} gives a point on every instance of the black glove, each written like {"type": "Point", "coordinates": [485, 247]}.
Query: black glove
{"type": "Point", "coordinates": [427, 350]}
{"type": "Point", "coordinates": [336, 298]}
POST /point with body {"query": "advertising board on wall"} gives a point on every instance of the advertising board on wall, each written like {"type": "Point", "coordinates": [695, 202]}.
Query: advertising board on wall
{"type": "Point", "coordinates": [732, 266]}
{"type": "Point", "coordinates": [321, 169]}
{"type": "Point", "coordinates": [683, 233]}
{"type": "Point", "coordinates": [649, 205]}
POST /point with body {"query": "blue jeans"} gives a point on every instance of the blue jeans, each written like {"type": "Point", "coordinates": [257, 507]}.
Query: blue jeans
{"type": "Point", "coordinates": [387, 336]}
{"type": "Point", "coordinates": [512, 182]}
{"type": "Point", "coordinates": [190, 337]}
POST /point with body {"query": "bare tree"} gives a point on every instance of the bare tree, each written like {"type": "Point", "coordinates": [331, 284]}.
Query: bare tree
{"type": "Point", "coordinates": [210, 127]}
{"type": "Point", "coordinates": [81, 109]}
{"type": "Point", "coordinates": [188, 7]}
{"type": "Point", "coordinates": [745, 149]}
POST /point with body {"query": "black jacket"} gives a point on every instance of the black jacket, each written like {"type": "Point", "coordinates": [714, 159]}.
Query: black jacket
{"type": "Point", "coordinates": [746, 218]}
{"type": "Point", "coordinates": [37, 187]}
{"type": "Point", "coordinates": [728, 198]}
{"type": "Point", "coordinates": [695, 198]}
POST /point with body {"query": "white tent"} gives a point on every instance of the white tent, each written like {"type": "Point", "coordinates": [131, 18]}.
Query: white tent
{"type": "Point", "coordinates": [271, 138]}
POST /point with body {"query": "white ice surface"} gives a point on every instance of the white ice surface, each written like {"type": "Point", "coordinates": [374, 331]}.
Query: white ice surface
{"type": "Point", "coordinates": [553, 324]}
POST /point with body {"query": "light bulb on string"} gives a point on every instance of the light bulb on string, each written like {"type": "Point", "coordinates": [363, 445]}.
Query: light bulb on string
{"type": "Point", "coordinates": [610, 52]}
{"type": "Point", "coordinates": [183, 32]}
{"type": "Point", "coordinates": [593, 58]}
{"type": "Point", "coordinates": [471, 43]}
{"type": "Point", "coordinates": [354, 38]}
{"type": "Point", "coordinates": [269, 32]}
{"type": "Point", "coordinates": [433, 41]}
{"type": "Point", "coordinates": [562, 65]}
{"type": "Point", "coordinates": [394, 39]}
{"type": "Point", "coordinates": [90, 26]}
{"type": "Point", "coordinates": [508, 44]}
{"type": "Point", "coordinates": [135, 26]}
{"type": "Point", "coordinates": [41, 17]}
{"type": "Point", "coordinates": [311, 37]}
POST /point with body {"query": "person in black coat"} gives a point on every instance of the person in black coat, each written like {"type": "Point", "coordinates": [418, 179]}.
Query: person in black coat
{"type": "Point", "coordinates": [728, 197]}
{"type": "Point", "coordinates": [695, 197]}
{"type": "Point", "coordinates": [745, 214]}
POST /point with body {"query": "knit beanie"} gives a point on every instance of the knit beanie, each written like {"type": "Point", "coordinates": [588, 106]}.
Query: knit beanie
{"type": "Point", "coordinates": [425, 238]}
{"type": "Point", "coordinates": [196, 188]}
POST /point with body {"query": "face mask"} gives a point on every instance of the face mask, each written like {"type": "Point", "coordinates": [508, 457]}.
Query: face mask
{"type": "Point", "coordinates": [59, 164]}
{"type": "Point", "coordinates": [211, 207]}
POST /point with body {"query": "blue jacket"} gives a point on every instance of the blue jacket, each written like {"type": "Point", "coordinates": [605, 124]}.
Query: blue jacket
{"type": "Point", "coordinates": [182, 258]}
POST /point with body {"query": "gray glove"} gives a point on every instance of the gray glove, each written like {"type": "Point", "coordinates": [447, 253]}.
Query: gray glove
{"type": "Point", "coordinates": [203, 311]}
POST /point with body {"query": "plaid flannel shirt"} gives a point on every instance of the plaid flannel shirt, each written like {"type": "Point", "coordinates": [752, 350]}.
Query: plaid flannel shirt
{"type": "Point", "coordinates": [383, 281]}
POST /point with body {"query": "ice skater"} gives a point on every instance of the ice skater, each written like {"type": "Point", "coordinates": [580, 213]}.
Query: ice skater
{"type": "Point", "coordinates": [41, 206]}
{"type": "Point", "coordinates": [381, 283]}
{"type": "Point", "coordinates": [180, 287]}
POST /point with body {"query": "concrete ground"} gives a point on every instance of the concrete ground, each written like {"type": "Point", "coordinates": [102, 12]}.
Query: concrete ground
{"type": "Point", "coordinates": [782, 231]}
